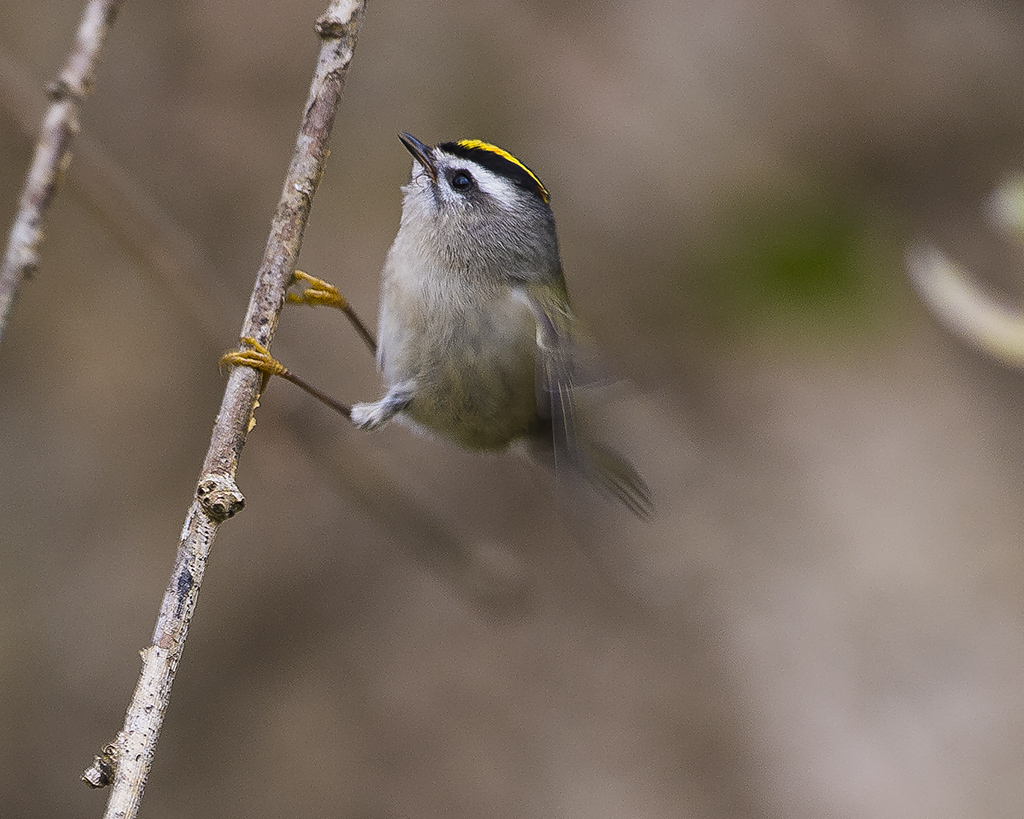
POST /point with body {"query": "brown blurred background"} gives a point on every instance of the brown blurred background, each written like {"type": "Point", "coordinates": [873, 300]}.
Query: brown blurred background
{"type": "Point", "coordinates": [826, 617]}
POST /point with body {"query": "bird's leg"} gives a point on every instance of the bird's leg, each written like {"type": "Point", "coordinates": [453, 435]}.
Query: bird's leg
{"type": "Point", "coordinates": [321, 294]}
{"type": "Point", "coordinates": [372, 416]}
{"type": "Point", "coordinates": [258, 357]}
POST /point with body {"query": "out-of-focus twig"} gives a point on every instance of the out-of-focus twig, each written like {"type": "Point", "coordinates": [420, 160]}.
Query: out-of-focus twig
{"type": "Point", "coordinates": [53, 151]}
{"type": "Point", "coordinates": [982, 320]}
{"type": "Point", "coordinates": [128, 759]}
{"type": "Point", "coordinates": [962, 306]}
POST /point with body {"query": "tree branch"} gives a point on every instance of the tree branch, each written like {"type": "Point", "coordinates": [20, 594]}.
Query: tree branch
{"type": "Point", "coordinates": [127, 761]}
{"type": "Point", "coordinates": [53, 151]}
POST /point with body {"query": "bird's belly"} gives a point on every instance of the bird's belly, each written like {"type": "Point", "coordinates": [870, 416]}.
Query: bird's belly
{"type": "Point", "coordinates": [473, 368]}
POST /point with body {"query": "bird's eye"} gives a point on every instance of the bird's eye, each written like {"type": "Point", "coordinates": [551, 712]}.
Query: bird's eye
{"type": "Point", "coordinates": [461, 181]}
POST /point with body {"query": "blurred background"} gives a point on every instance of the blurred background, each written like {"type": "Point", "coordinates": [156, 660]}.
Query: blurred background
{"type": "Point", "coordinates": [826, 616]}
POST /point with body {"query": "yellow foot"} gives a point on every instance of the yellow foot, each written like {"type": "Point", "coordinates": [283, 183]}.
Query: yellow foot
{"type": "Point", "coordinates": [258, 358]}
{"type": "Point", "coordinates": [318, 294]}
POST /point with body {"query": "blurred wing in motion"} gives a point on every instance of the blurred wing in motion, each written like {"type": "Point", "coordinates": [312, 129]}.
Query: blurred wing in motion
{"type": "Point", "coordinates": [556, 400]}
{"type": "Point", "coordinates": [617, 477]}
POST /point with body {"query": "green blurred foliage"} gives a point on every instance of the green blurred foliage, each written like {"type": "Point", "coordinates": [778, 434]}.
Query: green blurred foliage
{"type": "Point", "coordinates": [804, 264]}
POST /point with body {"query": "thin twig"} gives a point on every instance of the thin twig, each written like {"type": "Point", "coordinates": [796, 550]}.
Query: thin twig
{"type": "Point", "coordinates": [53, 151]}
{"type": "Point", "coordinates": [128, 759]}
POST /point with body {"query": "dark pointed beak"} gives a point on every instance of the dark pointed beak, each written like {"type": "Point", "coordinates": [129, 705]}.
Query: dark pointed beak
{"type": "Point", "coordinates": [422, 153]}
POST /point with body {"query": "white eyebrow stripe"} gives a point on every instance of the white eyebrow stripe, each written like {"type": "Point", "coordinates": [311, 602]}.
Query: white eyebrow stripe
{"type": "Point", "coordinates": [498, 187]}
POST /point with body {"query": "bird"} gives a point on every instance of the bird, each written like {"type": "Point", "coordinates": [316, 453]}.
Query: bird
{"type": "Point", "coordinates": [476, 334]}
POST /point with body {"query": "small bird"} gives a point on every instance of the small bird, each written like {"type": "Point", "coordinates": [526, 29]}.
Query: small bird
{"type": "Point", "coordinates": [475, 330]}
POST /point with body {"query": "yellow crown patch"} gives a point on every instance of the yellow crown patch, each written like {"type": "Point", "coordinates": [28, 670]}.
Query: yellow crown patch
{"type": "Point", "coordinates": [480, 145]}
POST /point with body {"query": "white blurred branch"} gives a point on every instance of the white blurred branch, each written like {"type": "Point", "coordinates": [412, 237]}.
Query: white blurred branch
{"type": "Point", "coordinates": [53, 151]}
{"type": "Point", "coordinates": [128, 759]}
{"type": "Point", "coordinates": [967, 310]}
{"type": "Point", "coordinates": [952, 294]}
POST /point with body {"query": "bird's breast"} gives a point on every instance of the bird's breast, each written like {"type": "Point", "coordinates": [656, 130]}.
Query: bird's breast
{"type": "Point", "coordinates": [471, 353]}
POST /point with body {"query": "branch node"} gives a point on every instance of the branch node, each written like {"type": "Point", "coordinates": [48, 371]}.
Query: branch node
{"type": "Point", "coordinates": [329, 27]}
{"type": "Point", "coordinates": [219, 496]}
{"type": "Point", "coordinates": [30, 265]}
{"type": "Point", "coordinates": [101, 773]}
{"type": "Point", "coordinates": [64, 89]}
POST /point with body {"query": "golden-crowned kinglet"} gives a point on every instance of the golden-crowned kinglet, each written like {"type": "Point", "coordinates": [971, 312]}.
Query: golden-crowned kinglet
{"type": "Point", "coordinates": [475, 333]}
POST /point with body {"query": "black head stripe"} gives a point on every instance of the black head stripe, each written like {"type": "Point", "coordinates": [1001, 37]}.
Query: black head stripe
{"type": "Point", "coordinates": [500, 161]}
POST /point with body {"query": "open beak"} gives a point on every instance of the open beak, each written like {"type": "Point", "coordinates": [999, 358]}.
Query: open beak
{"type": "Point", "coordinates": [421, 153]}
